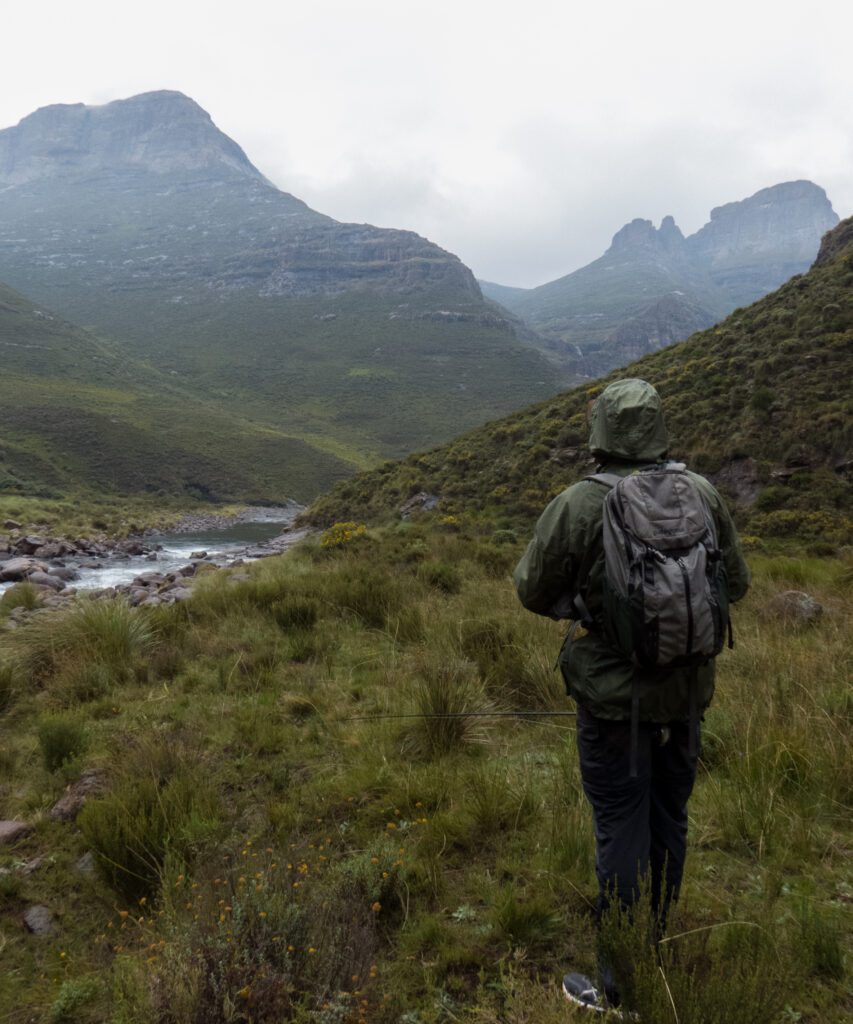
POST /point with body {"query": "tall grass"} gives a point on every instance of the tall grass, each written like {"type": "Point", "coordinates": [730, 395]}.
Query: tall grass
{"type": "Point", "coordinates": [230, 747]}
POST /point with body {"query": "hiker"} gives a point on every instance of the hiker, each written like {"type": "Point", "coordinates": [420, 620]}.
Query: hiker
{"type": "Point", "coordinates": [637, 722]}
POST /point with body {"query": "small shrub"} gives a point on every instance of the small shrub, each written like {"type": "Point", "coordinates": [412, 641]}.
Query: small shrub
{"type": "Point", "coordinates": [371, 594]}
{"type": "Point", "coordinates": [81, 682]}
{"type": "Point", "coordinates": [341, 534]}
{"type": "Point", "coordinates": [22, 595]}
{"type": "Point", "coordinates": [445, 692]}
{"type": "Point", "coordinates": [441, 576]}
{"type": "Point", "coordinates": [154, 809]}
{"type": "Point", "coordinates": [8, 684]}
{"type": "Point", "coordinates": [60, 739]}
{"type": "Point", "coordinates": [73, 997]}
{"type": "Point", "coordinates": [294, 612]}
{"type": "Point", "coordinates": [526, 923]}
{"type": "Point", "coordinates": [821, 942]}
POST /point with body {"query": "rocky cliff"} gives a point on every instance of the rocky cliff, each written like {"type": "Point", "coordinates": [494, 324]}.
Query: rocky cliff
{"type": "Point", "coordinates": [654, 286]}
{"type": "Point", "coordinates": [140, 218]}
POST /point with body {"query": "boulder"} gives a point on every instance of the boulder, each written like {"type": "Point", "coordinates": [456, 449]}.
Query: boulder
{"type": "Point", "coordinates": [198, 554]}
{"type": "Point", "coordinates": [794, 608]}
{"type": "Point", "coordinates": [63, 573]}
{"type": "Point", "coordinates": [29, 545]}
{"type": "Point", "coordinates": [421, 502]}
{"type": "Point", "coordinates": [11, 524]}
{"type": "Point", "coordinates": [12, 831]}
{"type": "Point", "coordinates": [39, 920]}
{"type": "Point", "coordinates": [20, 568]}
{"type": "Point", "coordinates": [53, 549]}
{"type": "Point", "coordinates": [43, 579]}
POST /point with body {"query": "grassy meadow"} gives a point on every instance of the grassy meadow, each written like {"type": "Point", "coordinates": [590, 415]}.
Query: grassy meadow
{"type": "Point", "coordinates": [260, 850]}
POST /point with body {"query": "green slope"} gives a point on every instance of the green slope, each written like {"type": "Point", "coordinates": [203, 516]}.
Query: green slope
{"type": "Point", "coordinates": [77, 415]}
{"type": "Point", "coordinates": [155, 232]}
{"type": "Point", "coordinates": [761, 402]}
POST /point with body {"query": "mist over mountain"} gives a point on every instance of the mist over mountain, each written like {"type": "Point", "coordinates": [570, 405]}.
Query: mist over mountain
{"type": "Point", "coordinates": [653, 286]}
{"type": "Point", "coordinates": [142, 219]}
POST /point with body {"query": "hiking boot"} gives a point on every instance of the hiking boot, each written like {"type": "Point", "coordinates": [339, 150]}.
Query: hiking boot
{"type": "Point", "coordinates": [578, 989]}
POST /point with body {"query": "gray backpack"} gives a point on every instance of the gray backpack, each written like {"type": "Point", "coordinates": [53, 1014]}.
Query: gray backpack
{"type": "Point", "coordinates": [665, 599]}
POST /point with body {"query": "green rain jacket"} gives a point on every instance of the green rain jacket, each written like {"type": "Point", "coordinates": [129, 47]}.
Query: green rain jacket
{"type": "Point", "coordinates": [566, 557]}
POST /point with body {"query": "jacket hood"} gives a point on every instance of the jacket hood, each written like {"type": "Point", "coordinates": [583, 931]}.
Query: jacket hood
{"type": "Point", "coordinates": [627, 422]}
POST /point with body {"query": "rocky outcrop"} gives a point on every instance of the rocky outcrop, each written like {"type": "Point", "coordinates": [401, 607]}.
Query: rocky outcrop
{"type": "Point", "coordinates": [752, 246]}
{"type": "Point", "coordinates": [653, 286]}
{"type": "Point", "coordinates": [157, 165]}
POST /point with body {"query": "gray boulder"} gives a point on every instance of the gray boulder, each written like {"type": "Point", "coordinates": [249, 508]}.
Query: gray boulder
{"type": "Point", "coordinates": [39, 920]}
{"type": "Point", "coordinates": [43, 579]}
{"type": "Point", "coordinates": [29, 545]}
{"type": "Point", "coordinates": [794, 608]}
{"type": "Point", "coordinates": [20, 568]}
{"type": "Point", "coordinates": [12, 831]}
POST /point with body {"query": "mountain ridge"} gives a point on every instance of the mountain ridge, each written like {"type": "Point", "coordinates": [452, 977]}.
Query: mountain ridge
{"type": "Point", "coordinates": [373, 339]}
{"type": "Point", "coordinates": [608, 311]}
{"type": "Point", "coordinates": [760, 403]}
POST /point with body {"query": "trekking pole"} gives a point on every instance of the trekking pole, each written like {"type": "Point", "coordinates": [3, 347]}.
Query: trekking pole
{"type": "Point", "coordinates": [464, 714]}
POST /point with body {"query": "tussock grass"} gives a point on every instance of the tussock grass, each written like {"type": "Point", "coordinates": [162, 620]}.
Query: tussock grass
{"type": "Point", "coordinates": [233, 730]}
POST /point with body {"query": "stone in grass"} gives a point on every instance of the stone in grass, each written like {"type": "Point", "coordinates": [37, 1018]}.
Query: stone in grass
{"type": "Point", "coordinates": [69, 805]}
{"type": "Point", "coordinates": [11, 831]}
{"type": "Point", "coordinates": [794, 608]}
{"type": "Point", "coordinates": [39, 920]}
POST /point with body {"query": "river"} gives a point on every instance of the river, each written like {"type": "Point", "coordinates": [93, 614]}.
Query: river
{"type": "Point", "coordinates": [246, 539]}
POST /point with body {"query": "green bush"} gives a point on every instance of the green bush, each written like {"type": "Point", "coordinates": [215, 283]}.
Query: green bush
{"type": "Point", "coordinates": [441, 576]}
{"type": "Point", "coordinates": [295, 612]}
{"type": "Point", "coordinates": [444, 693]}
{"type": "Point", "coordinates": [167, 810]}
{"type": "Point", "coordinates": [61, 739]}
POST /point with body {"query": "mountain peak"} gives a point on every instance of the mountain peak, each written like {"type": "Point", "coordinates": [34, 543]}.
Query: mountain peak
{"type": "Point", "coordinates": [161, 132]}
{"type": "Point", "coordinates": [642, 234]}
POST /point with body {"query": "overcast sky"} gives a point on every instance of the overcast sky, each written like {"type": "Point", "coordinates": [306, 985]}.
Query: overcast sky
{"type": "Point", "coordinates": [519, 135]}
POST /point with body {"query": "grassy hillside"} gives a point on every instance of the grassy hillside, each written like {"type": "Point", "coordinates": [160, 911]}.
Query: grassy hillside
{"type": "Point", "coordinates": [155, 231]}
{"type": "Point", "coordinates": [258, 851]}
{"type": "Point", "coordinates": [77, 416]}
{"type": "Point", "coordinates": [763, 396]}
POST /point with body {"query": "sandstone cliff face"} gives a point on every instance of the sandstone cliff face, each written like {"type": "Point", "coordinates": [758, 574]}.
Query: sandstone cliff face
{"type": "Point", "coordinates": [160, 132]}
{"type": "Point", "coordinates": [752, 246]}
{"type": "Point", "coordinates": [148, 192]}
{"type": "Point", "coordinates": [653, 286]}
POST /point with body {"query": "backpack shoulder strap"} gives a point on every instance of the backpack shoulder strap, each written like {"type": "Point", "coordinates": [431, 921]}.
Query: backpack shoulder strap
{"type": "Point", "coordinates": [605, 479]}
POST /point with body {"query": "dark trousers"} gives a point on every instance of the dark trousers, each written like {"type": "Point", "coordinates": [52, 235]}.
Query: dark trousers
{"type": "Point", "coordinates": [640, 823]}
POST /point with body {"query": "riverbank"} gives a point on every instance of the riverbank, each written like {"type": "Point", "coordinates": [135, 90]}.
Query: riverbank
{"type": "Point", "coordinates": [152, 568]}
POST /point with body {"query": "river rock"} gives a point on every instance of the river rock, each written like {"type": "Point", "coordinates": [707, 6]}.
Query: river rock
{"type": "Point", "coordinates": [44, 579]}
{"type": "Point", "coordinates": [91, 565]}
{"type": "Point", "coordinates": [12, 831]}
{"type": "Point", "coordinates": [63, 573]}
{"type": "Point", "coordinates": [29, 545]}
{"type": "Point", "coordinates": [198, 554]}
{"type": "Point", "coordinates": [794, 608]}
{"type": "Point", "coordinates": [147, 579]}
{"type": "Point", "coordinates": [39, 920]}
{"type": "Point", "coordinates": [20, 568]}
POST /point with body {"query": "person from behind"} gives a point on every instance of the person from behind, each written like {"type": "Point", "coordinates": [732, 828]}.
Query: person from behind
{"type": "Point", "coordinates": [645, 556]}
